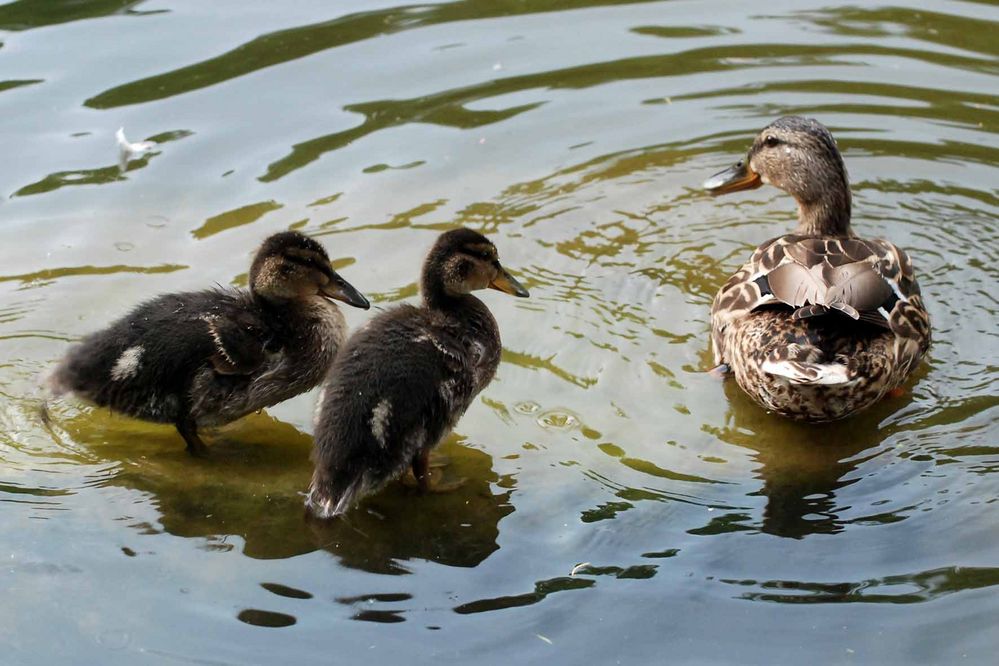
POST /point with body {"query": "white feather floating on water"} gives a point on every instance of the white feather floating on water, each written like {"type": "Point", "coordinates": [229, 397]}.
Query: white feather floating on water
{"type": "Point", "coordinates": [128, 151]}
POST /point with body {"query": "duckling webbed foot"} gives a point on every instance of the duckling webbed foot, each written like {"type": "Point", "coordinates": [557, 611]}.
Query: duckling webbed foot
{"type": "Point", "coordinates": [189, 431]}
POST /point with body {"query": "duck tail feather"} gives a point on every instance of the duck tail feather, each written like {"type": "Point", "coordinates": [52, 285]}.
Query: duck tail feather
{"type": "Point", "coordinates": [326, 501]}
{"type": "Point", "coordinates": [809, 311]}
{"type": "Point", "coordinates": [798, 372]}
{"type": "Point", "coordinates": [54, 383]}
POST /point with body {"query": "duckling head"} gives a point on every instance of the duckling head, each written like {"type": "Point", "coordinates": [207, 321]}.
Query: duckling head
{"type": "Point", "coordinates": [290, 266]}
{"type": "Point", "coordinates": [799, 156]}
{"type": "Point", "coordinates": [462, 261]}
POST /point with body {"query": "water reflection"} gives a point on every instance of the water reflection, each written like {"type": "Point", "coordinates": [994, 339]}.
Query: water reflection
{"type": "Point", "coordinates": [578, 132]}
{"type": "Point", "coordinates": [28, 14]}
{"type": "Point", "coordinates": [803, 467]}
{"type": "Point", "coordinates": [100, 175]}
{"type": "Point", "coordinates": [251, 487]}
{"type": "Point", "coordinates": [541, 590]}
{"type": "Point", "coordinates": [899, 589]}
{"type": "Point", "coordinates": [882, 22]}
{"type": "Point", "coordinates": [458, 528]}
{"type": "Point", "coordinates": [283, 46]}
{"type": "Point", "coordinates": [265, 618]}
{"type": "Point", "coordinates": [365, 611]}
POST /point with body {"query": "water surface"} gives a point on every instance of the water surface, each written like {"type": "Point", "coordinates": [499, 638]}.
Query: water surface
{"type": "Point", "coordinates": [620, 506]}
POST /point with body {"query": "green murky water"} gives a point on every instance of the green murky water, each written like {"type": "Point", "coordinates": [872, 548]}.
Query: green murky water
{"type": "Point", "coordinates": [576, 134]}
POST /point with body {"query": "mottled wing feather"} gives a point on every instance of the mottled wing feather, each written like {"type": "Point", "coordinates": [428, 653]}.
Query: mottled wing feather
{"type": "Point", "coordinates": [858, 285]}
{"type": "Point", "coordinates": [796, 285]}
{"type": "Point", "coordinates": [239, 348]}
{"type": "Point", "coordinates": [743, 292]}
{"type": "Point", "coordinates": [867, 280]}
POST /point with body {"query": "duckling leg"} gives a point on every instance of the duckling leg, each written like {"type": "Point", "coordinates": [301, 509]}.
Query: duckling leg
{"type": "Point", "coordinates": [189, 431]}
{"type": "Point", "coordinates": [423, 468]}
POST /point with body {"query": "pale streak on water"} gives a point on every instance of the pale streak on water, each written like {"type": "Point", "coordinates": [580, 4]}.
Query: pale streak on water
{"type": "Point", "coordinates": [576, 135]}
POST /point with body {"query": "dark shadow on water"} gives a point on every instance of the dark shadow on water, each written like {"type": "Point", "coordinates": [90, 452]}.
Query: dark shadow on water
{"type": "Point", "coordinates": [541, 590]}
{"type": "Point", "coordinates": [99, 175]}
{"type": "Point", "coordinates": [364, 610]}
{"type": "Point", "coordinates": [28, 14]}
{"type": "Point", "coordinates": [286, 591]}
{"type": "Point", "coordinates": [290, 44]}
{"type": "Point", "coordinates": [264, 618]}
{"type": "Point", "coordinates": [581, 578]}
{"type": "Point", "coordinates": [803, 467]}
{"type": "Point", "coordinates": [251, 487]}
{"type": "Point", "coordinates": [909, 588]}
{"type": "Point", "coordinates": [457, 528]}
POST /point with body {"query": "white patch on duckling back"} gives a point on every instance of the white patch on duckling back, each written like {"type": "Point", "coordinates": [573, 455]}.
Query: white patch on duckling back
{"type": "Point", "coordinates": [447, 390]}
{"type": "Point", "coordinates": [380, 421]}
{"type": "Point", "coordinates": [127, 364]}
{"type": "Point", "coordinates": [213, 330]}
{"type": "Point", "coordinates": [320, 399]}
{"type": "Point", "coordinates": [478, 362]}
{"type": "Point", "coordinates": [426, 337]}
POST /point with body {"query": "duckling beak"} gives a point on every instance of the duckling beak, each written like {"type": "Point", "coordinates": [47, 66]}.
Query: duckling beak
{"type": "Point", "coordinates": [508, 284]}
{"type": "Point", "coordinates": [341, 290]}
{"type": "Point", "coordinates": [739, 176]}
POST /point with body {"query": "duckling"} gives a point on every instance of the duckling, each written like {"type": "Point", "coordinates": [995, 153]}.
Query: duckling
{"type": "Point", "coordinates": [402, 381]}
{"type": "Point", "coordinates": [205, 358]}
{"type": "Point", "coordinates": [819, 324]}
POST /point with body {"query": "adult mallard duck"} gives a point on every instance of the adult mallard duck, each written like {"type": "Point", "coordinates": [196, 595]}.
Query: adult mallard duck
{"type": "Point", "coordinates": [819, 324]}
{"type": "Point", "coordinates": [206, 358]}
{"type": "Point", "coordinates": [403, 380]}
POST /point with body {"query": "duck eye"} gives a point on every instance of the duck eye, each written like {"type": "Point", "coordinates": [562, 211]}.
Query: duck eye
{"type": "Point", "coordinates": [771, 141]}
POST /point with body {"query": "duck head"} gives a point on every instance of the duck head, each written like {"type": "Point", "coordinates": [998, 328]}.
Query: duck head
{"type": "Point", "coordinates": [799, 156]}
{"type": "Point", "coordinates": [291, 266]}
{"type": "Point", "coordinates": [462, 261]}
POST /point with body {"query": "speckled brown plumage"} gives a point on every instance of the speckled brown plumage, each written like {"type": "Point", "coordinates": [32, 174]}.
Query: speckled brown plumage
{"type": "Point", "coordinates": [818, 324]}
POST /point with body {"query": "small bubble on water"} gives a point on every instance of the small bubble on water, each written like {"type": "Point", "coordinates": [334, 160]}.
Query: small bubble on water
{"type": "Point", "coordinates": [558, 420]}
{"type": "Point", "coordinates": [113, 639]}
{"type": "Point", "coordinates": [527, 407]}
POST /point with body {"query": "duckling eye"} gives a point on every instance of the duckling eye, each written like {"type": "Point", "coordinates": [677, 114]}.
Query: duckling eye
{"type": "Point", "coordinates": [771, 141]}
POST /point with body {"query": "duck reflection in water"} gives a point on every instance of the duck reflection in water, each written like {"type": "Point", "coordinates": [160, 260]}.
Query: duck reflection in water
{"type": "Point", "coordinates": [458, 528]}
{"type": "Point", "coordinates": [257, 499]}
{"type": "Point", "coordinates": [803, 467]}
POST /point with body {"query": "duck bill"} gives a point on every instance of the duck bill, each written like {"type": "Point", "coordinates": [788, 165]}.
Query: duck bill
{"type": "Point", "coordinates": [339, 289]}
{"type": "Point", "coordinates": [508, 284]}
{"type": "Point", "coordinates": [739, 176]}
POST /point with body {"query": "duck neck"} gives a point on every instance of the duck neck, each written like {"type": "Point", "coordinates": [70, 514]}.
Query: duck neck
{"type": "Point", "coordinates": [436, 297]}
{"type": "Point", "coordinates": [269, 302]}
{"type": "Point", "coordinates": [829, 213]}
